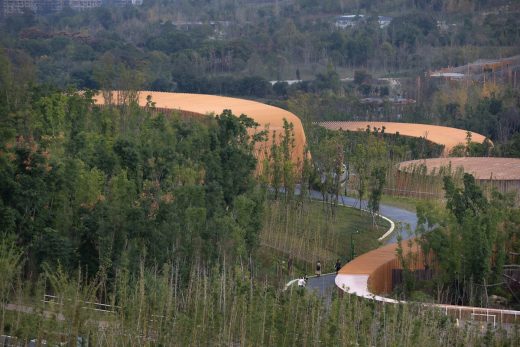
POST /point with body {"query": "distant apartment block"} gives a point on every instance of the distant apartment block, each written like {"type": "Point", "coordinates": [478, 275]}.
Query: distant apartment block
{"type": "Point", "coordinates": [352, 20]}
{"type": "Point", "coordinates": [83, 4]}
{"type": "Point", "coordinates": [349, 20]}
{"type": "Point", "coordinates": [124, 2]}
{"type": "Point", "coordinates": [384, 21]}
{"type": "Point", "coordinates": [16, 6]}
{"type": "Point", "coordinates": [10, 7]}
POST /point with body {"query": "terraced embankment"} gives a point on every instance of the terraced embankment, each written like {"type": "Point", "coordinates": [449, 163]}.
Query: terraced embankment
{"type": "Point", "coordinates": [268, 117]}
{"type": "Point", "coordinates": [446, 136]}
{"type": "Point", "coordinates": [502, 174]}
{"type": "Point", "coordinates": [370, 276]}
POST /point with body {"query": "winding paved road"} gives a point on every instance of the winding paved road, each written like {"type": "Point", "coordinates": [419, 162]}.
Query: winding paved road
{"type": "Point", "coordinates": [325, 284]}
{"type": "Point", "coordinates": [398, 215]}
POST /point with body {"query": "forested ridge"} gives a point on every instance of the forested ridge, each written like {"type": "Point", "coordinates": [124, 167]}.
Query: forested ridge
{"type": "Point", "coordinates": [88, 187]}
{"type": "Point", "coordinates": [182, 44]}
{"type": "Point", "coordinates": [237, 47]}
{"type": "Point", "coordinates": [165, 221]}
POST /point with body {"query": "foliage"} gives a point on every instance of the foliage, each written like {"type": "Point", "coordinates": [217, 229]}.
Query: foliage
{"type": "Point", "coordinates": [470, 242]}
{"type": "Point", "coordinates": [199, 45]}
{"type": "Point", "coordinates": [88, 187]}
{"type": "Point", "coordinates": [306, 231]}
{"type": "Point", "coordinates": [377, 182]}
{"type": "Point", "coordinates": [236, 48]}
{"type": "Point", "coordinates": [10, 265]}
{"type": "Point", "coordinates": [368, 161]}
{"type": "Point", "coordinates": [225, 307]}
{"type": "Point", "coordinates": [152, 214]}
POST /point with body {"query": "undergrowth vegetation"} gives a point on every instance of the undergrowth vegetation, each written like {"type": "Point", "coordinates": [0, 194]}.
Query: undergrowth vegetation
{"type": "Point", "coordinates": [222, 306]}
{"type": "Point", "coordinates": [308, 231]}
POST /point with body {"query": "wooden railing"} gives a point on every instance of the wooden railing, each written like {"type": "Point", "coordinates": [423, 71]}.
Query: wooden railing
{"type": "Point", "coordinates": [96, 306]}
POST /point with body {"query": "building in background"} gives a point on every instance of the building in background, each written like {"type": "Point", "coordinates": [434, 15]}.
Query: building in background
{"type": "Point", "coordinates": [17, 6]}
{"type": "Point", "coordinates": [11, 7]}
{"type": "Point", "coordinates": [351, 20]}
{"type": "Point", "coordinates": [80, 5]}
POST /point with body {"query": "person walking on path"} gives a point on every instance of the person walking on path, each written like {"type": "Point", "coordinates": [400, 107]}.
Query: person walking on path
{"type": "Point", "coordinates": [318, 268]}
{"type": "Point", "coordinates": [337, 266]}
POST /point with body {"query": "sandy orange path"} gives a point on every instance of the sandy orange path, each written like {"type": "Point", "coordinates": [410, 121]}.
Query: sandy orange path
{"type": "Point", "coordinates": [265, 115]}
{"type": "Point", "coordinates": [449, 137]}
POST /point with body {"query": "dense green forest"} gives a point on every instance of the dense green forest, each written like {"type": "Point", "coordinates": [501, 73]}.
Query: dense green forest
{"type": "Point", "coordinates": [237, 47]}
{"type": "Point", "coordinates": [473, 241]}
{"type": "Point", "coordinates": [150, 214]}
{"type": "Point", "coordinates": [189, 45]}
{"type": "Point", "coordinates": [93, 188]}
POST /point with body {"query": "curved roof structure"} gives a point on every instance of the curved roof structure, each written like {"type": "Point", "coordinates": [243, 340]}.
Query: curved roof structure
{"type": "Point", "coordinates": [369, 275]}
{"type": "Point", "coordinates": [368, 262]}
{"type": "Point", "coordinates": [482, 168]}
{"type": "Point", "coordinates": [269, 117]}
{"type": "Point", "coordinates": [449, 137]}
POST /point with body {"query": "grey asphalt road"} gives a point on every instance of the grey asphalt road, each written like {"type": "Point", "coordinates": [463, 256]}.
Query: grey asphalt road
{"type": "Point", "coordinates": [405, 220]}
{"type": "Point", "coordinates": [323, 286]}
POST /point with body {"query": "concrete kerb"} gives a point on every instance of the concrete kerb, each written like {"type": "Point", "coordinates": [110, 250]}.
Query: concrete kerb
{"type": "Point", "coordinates": [392, 224]}
{"type": "Point", "coordinates": [290, 283]}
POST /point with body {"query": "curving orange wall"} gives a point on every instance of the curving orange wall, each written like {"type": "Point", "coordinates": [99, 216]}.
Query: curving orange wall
{"type": "Point", "coordinates": [448, 137]}
{"type": "Point", "coordinates": [482, 168]}
{"type": "Point", "coordinates": [269, 117]}
{"type": "Point", "coordinates": [379, 263]}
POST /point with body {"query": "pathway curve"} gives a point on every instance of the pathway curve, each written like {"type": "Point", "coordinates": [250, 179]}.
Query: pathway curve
{"type": "Point", "coordinates": [325, 284]}
{"type": "Point", "coordinates": [373, 266]}
{"type": "Point", "coordinates": [355, 280]}
{"type": "Point", "coordinates": [396, 214]}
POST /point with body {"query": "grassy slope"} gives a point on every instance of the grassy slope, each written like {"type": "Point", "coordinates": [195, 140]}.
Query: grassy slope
{"type": "Point", "coordinates": [405, 203]}
{"type": "Point", "coordinates": [309, 232]}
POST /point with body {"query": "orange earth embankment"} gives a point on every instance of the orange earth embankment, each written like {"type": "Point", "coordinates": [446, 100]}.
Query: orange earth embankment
{"type": "Point", "coordinates": [482, 168]}
{"type": "Point", "coordinates": [370, 276]}
{"type": "Point", "coordinates": [446, 136]}
{"type": "Point", "coordinates": [379, 263]}
{"type": "Point", "coordinates": [502, 174]}
{"type": "Point", "coordinates": [268, 117]}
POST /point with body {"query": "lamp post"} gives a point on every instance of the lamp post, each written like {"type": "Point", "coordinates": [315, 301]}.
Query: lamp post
{"type": "Point", "coordinates": [352, 253]}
